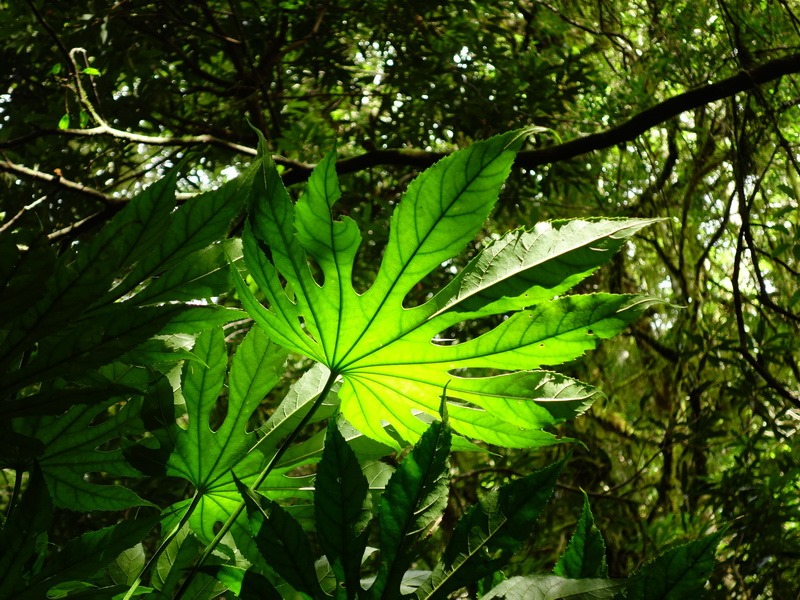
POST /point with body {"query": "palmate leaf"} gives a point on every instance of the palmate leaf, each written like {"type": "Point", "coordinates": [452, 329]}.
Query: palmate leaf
{"type": "Point", "coordinates": [70, 451]}
{"type": "Point", "coordinates": [205, 457]}
{"type": "Point", "coordinates": [392, 367]}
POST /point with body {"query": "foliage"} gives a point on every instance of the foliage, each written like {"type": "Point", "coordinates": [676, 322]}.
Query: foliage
{"type": "Point", "coordinates": [682, 111]}
{"type": "Point", "coordinates": [414, 499]}
{"type": "Point", "coordinates": [159, 389]}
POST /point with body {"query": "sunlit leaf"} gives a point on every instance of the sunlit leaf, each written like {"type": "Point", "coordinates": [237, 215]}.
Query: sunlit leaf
{"type": "Point", "coordinates": [390, 358]}
{"type": "Point", "coordinates": [205, 456]}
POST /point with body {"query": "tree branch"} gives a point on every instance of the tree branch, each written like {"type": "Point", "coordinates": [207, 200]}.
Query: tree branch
{"type": "Point", "coordinates": [9, 167]}
{"type": "Point", "coordinates": [627, 131]}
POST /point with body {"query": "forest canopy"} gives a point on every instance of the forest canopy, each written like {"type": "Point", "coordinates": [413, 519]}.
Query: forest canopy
{"type": "Point", "coordinates": [685, 115]}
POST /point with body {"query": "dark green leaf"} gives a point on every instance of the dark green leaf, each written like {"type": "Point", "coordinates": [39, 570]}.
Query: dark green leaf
{"type": "Point", "coordinates": [342, 509]}
{"type": "Point", "coordinates": [73, 449]}
{"type": "Point", "coordinates": [677, 574]}
{"type": "Point", "coordinates": [84, 275]}
{"type": "Point", "coordinates": [87, 554]}
{"type": "Point", "coordinates": [282, 542]}
{"type": "Point", "coordinates": [24, 534]}
{"type": "Point", "coordinates": [488, 535]}
{"type": "Point", "coordinates": [585, 556]}
{"type": "Point", "coordinates": [413, 501]}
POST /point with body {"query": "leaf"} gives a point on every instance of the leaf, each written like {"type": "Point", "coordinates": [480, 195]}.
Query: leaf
{"type": "Point", "coordinates": [202, 275]}
{"type": "Point", "coordinates": [388, 356]}
{"type": "Point", "coordinates": [58, 401]}
{"type": "Point", "coordinates": [294, 407]}
{"type": "Point", "coordinates": [109, 335]}
{"type": "Point", "coordinates": [85, 273]}
{"type": "Point", "coordinates": [91, 71]}
{"type": "Point", "coordinates": [678, 573]}
{"type": "Point", "coordinates": [585, 556]}
{"type": "Point", "coordinates": [72, 443]}
{"type": "Point", "coordinates": [63, 122]}
{"type": "Point", "coordinates": [245, 583]}
{"type": "Point", "coordinates": [127, 566]}
{"type": "Point", "coordinates": [282, 542]}
{"type": "Point", "coordinates": [84, 556]}
{"type": "Point", "coordinates": [178, 556]}
{"type": "Point", "coordinates": [413, 501]}
{"type": "Point", "coordinates": [490, 532]}
{"type": "Point", "coordinates": [198, 224]}
{"type": "Point", "coordinates": [342, 509]}
{"type": "Point", "coordinates": [205, 457]}
{"type": "Point", "coordinates": [551, 587]}
{"type": "Point", "coordinates": [524, 268]}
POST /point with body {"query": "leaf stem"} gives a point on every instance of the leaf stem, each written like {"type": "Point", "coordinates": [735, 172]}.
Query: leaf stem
{"type": "Point", "coordinates": [273, 461]}
{"type": "Point", "coordinates": [163, 546]}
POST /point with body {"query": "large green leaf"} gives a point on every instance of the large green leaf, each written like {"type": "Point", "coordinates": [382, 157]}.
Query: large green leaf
{"type": "Point", "coordinates": [392, 363]}
{"type": "Point", "coordinates": [201, 275]}
{"type": "Point", "coordinates": [84, 274]}
{"type": "Point", "coordinates": [490, 532]}
{"type": "Point", "coordinates": [87, 554]}
{"type": "Point", "coordinates": [69, 319]}
{"type": "Point", "coordinates": [109, 334]}
{"type": "Point", "coordinates": [414, 500]}
{"type": "Point", "coordinates": [198, 223]}
{"type": "Point", "coordinates": [203, 456]}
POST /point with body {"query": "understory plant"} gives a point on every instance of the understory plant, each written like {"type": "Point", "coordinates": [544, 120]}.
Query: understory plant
{"type": "Point", "coordinates": [125, 373]}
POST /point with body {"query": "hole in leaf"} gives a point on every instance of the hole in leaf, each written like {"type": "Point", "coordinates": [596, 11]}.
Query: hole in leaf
{"type": "Point", "coordinates": [316, 271]}
{"type": "Point", "coordinates": [218, 412]}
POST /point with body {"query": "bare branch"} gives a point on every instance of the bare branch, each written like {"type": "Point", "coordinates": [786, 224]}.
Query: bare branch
{"type": "Point", "coordinates": [9, 167]}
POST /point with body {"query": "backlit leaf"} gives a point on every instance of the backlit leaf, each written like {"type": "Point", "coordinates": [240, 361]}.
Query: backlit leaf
{"type": "Point", "coordinates": [389, 355]}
